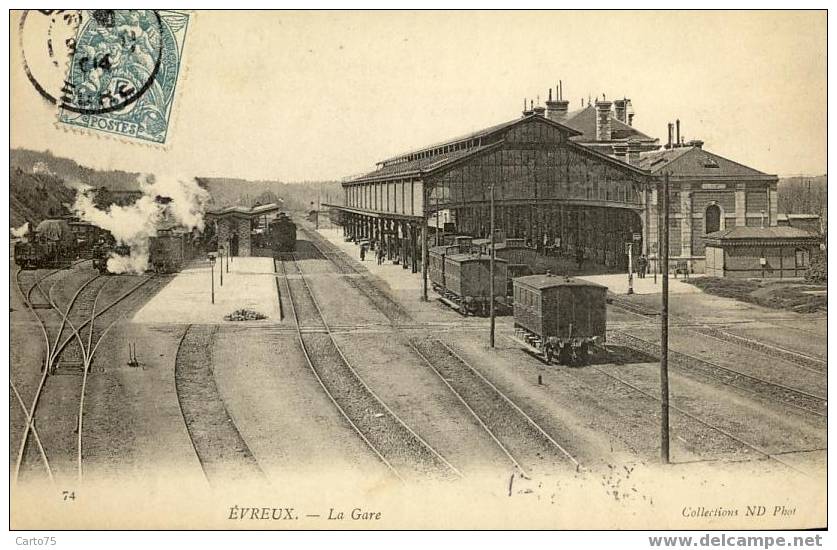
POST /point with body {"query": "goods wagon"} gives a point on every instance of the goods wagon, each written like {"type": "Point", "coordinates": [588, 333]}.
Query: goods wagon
{"type": "Point", "coordinates": [168, 251]}
{"type": "Point", "coordinates": [52, 245]}
{"type": "Point", "coordinates": [465, 282]}
{"type": "Point", "coordinates": [559, 317]}
{"type": "Point", "coordinates": [282, 235]}
{"type": "Point", "coordinates": [436, 265]}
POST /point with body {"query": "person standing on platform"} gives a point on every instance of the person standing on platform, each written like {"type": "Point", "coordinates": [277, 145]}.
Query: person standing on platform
{"type": "Point", "coordinates": [363, 252]}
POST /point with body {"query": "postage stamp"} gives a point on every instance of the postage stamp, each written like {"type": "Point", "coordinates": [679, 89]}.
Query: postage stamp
{"type": "Point", "coordinates": [123, 73]}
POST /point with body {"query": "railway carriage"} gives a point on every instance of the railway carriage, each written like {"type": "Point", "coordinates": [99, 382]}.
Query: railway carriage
{"type": "Point", "coordinates": [559, 317]}
{"type": "Point", "coordinates": [282, 233]}
{"type": "Point", "coordinates": [436, 265]}
{"type": "Point", "coordinates": [167, 251]}
{"type": "Point", "coordinates": [52, 245]}
{"type": "Point", "coordinates": [521, 259]}
{"type": "Point", "coordinates": [465, 282]}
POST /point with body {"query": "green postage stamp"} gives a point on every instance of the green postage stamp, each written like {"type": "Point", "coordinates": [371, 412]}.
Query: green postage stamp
{"type": "Point", "coordinates": [123, 72]}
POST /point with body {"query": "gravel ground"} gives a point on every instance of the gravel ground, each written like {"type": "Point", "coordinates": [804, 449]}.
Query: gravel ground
{"type": "Point", "coordinates": [56, 419]}
{"type": "Point", "coordinates": [411, 388]}
{"type": "Point", "coordinates": [341, 304]}
{"type": "Point", "coordinates": [530, 447]}
{"type": "Point", "coordinates": [133, 426]}
{"type": "Point", "coordinates": [789, 336]}
{"type": "Point", "coordinates": [610, 424]}
{"type": "Point", "coordinates": [771, 430]}
{"type": "Point", "coordinates": [291, 426]}
{"type": "Point", "coordinates": [407, 454]}
{"type": "Point", "coordinates": [741, 359]}
{"type": "Point", "coordinates": [222, 451]}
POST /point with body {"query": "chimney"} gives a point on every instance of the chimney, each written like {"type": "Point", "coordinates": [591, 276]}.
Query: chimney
{"type": "Point", "coordinates": [603, 125]}
{"type": "Point", "coordinates": [526, 109]}
{"type": "Point", "coordinates": [670, 135]}
{"type": "Point", "coordinates": [620, 151]}
{"type": "Point", "coordinates": [557, 110]}
{"type": "Point", "coordinates": [539, 110]}
{"type": "Point", "coordinates": [678, 142]}
{"type": "Point", "coordinates": [634, 149]}
{"type": "Point", "coordinates": [620, 107]}
{"type": "Point", "coordinates": [629, 112]}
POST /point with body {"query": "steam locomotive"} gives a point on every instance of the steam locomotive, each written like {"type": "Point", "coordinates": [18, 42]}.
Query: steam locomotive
{"type": "Point", "coordinates": [52, 245]}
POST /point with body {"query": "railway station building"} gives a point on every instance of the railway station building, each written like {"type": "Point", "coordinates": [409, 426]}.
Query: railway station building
{"type": "Point", "coordinates": [236, 227]}
{"type": "Point", "coordinates": [568, 180]}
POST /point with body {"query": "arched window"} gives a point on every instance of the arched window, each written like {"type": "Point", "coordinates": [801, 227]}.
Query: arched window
{"type": "Point", "coordinates": [802, 259]}
{"type": "Point", "coordinates": [713, 219]}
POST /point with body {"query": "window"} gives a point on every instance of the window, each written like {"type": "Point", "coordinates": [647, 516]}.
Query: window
{"type": "Point", "coordinates": [712, 221]}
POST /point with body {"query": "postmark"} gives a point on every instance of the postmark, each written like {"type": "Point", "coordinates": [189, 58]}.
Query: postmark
{"type": "Point", "coordinates": [121, 73]}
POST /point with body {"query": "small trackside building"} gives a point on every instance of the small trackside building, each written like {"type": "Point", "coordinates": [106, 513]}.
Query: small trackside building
{"type": "Point", "coordinates": [760, 252]}
{"type": "Point", "coordinates": [707, 193]}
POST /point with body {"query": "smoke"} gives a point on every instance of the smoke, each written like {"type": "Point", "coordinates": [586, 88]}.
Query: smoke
{"type": "Point", "coordinates": [20, 232]}
{"type": "Point", "coordinates": [183, 203]}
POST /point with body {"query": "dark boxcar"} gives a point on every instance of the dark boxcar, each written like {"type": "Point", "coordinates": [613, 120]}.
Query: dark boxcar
{"type": "Point", "coordinates": [513, 251]}
{"type": "Point", "coordinates": [167, 252]}
{"type": "Point", "coordinates": [559, 316]}
{"type": "Point", "coordinates": [436, 265]}
{"type": "Point", "coordinates": [282, 235]}
{"type": "Point", "coordinates": [467, 282]}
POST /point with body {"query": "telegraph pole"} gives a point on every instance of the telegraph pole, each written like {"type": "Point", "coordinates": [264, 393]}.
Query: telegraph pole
{"type": "Point", "coordinates": [425, 221]}
{"type": "Point", "coordinates": [491, 273]}
{"type": "Point", "coordinates": [664, 407]}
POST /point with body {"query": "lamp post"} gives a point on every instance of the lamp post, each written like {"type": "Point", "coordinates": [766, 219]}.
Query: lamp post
{"type": "Point", "coordinates": [491, 273]}
{"type": "Point", "coordinates": [221, 264]}
{"type": "Point", "coordinates": [664, 407]}
{"type": "Point", "coordinates": [211, 258]}
{"type": "Point", "coordinates": [228, 260]}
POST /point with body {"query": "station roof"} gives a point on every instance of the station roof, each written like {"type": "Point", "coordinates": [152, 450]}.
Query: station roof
{"type": "Point", "coordinates": [244, 211]}
{"type": "Point", "coordinates": [540, 282]}
{"type": "Point", "coordinates": [695, 161]}
{"type": "Point", "coordinates": [584, 121]}
{"type": "Point", "coordinates": [776, 232]}
{"type": "Point", "coordinates": [438, 155]}
{"type": "Point", "coordinates": [472, 257]}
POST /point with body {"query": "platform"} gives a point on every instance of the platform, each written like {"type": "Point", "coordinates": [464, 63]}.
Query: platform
{"type": "Point", "coordinates": [186, 299]}
{"type": "Point", "coordinates": [617, 283]}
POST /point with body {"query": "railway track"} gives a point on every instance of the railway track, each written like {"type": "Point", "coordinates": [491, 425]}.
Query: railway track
{"type": "Point", "coordinates": [522, 440]}
{"type": "Point", "coordinates": [82, 306]}
{"type": "Point", "coordinates": [391, 309]}
{"type": "Point", "coordinates": [742, 442]}
{"type": "Point", "coordinates": [398, 447]}
{"type": "Point", "coordinates": [221, 451]}
{"type": "Point", "coordinates": [799, 359]}
{"type": "Point", "coordinates": [811, 403]}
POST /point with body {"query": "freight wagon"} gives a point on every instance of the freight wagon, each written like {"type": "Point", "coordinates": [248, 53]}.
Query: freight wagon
{"type": "Point", "coordinates": [168, 251]}
{"type": "Point", "coordinates": [462, 279]}
{"type": "Point", "coordinates": [282, 235]}
{"type": "Point", "coordinates": [559, 317]}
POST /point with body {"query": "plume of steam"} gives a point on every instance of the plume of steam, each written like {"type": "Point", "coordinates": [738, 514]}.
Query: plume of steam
{"type": "Point", "coordinates": [134, 224]}
{"type": "Point", "coordinates": [20, 232]}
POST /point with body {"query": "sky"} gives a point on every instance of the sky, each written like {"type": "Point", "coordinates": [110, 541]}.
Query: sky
{"type": "Point", "coordinates": [297, 96]}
